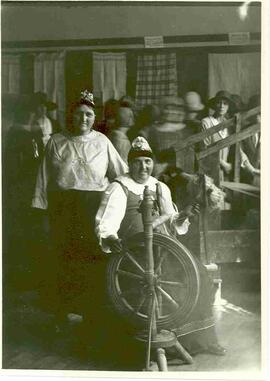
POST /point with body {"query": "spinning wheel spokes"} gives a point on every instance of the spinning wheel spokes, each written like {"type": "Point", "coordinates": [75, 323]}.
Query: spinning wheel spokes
{"type": "Point", "coordinates": [168, 296]}
{"type": "Point", "coordinates": [158, 305]}
{"type": "Point", "coordinates": [171, 283]}
{"type": "Point", "coordinates": [133, 260]}
{"type": "Point", "coordinates": [175, 283]}
{"type": "Point", "coordinates": [133, 290]}
{"type": "Point", "coordinates": [129, 274]}
{"type": "Point", "coordinates": [141, 303]}
{"type": "Point", "coordinates": [161, 257]}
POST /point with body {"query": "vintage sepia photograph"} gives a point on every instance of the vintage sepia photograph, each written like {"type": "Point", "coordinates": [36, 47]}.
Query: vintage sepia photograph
{"type": "Point", "coordinates": [131, 187]}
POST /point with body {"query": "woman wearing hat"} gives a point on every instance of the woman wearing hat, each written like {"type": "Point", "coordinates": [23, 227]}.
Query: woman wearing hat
{"type": "Point", "coordinates": [119, 218]}
{"type": "Point", "coordinates": [194, 106]}
{"type": "Point", "coordinates": [170, 129]}
{"type": "Point", "coordinates": [194, 111]}
{"type": "Point", "coordinates": [77, 167]}
{"type": "Point", "coordinates": [222, 104]}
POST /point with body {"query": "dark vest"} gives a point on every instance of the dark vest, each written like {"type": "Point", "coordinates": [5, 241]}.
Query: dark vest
{"type": "Point", "coordinates": [132, 221]}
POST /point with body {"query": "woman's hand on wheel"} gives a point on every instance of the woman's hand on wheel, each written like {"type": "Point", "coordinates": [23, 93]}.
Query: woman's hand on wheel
{"type": "Point", "coordinates": [114, 244]}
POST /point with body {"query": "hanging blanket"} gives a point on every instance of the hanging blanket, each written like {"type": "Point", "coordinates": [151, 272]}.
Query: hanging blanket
{"type": "Point", "coordinates": [156, 77]}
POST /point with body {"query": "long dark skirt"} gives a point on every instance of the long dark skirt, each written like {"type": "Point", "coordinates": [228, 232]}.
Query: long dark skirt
{"type": "Point", "coordinates": [77, 266]}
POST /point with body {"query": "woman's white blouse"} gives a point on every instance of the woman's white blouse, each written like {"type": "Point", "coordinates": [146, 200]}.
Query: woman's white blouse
{"type": "Point", "coordinates": [113, 207]}
{"type": "Point", "coordinates": [85, 163]}
{"type": "Point", "coordinates": [209, 122]}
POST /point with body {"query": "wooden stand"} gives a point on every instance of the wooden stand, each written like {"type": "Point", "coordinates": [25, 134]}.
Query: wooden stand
{"type": "Point", "coordinates": [158, 341]}
{"type": "Point", "coordinates": [162, 340]}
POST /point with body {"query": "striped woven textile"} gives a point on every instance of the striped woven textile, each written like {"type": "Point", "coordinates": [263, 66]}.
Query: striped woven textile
{"type": "Point", "coordinates": [156, 77]}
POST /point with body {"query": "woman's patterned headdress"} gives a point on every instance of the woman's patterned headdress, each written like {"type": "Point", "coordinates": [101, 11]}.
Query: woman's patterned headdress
{"type": "Point", "coordinates": [139, 147]}
{"type": "Point", "coordinates": [87, 98]}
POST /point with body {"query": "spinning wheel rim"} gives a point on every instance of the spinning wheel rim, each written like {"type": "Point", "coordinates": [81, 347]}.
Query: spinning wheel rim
{"type": "Point", "coordinates": [187, 263]}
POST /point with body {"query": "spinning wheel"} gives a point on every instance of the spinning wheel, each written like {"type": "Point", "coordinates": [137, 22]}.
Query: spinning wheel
{"type": "Point", "coordinates": [155, 284]}
{"type": "Point", "coordinates": [176, 282]}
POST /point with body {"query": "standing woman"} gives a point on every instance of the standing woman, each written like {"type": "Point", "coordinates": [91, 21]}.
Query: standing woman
{"type": "Point", "coordinates": [222, 105]}
{"type": "Point", "coordinates": [77, 167]}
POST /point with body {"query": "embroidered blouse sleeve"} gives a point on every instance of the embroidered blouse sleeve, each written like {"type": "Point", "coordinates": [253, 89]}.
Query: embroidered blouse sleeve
{"type": "Point", "coordinates": [166, 203]}
{"type": "Point", "coordinates": [116, 165]}
{"type": "Point", "coordinates": [40, 199]}
{"type": "Point", "coordinates": [110, 213]}
{"type": "Point", "coordinates": [167, 207]}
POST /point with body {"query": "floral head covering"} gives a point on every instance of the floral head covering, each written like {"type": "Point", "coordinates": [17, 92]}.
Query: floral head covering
{"type": "Point", "coordinates": [139, 147]}
{"type": "Point", "coordinates": [87, 98]}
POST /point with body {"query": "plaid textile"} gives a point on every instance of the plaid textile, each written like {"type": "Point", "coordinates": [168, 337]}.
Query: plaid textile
{"type": "Point", "coordinates": [156, 77]}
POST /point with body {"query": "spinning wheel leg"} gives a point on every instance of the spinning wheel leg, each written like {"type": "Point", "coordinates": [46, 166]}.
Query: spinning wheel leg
{"type": "Point", "coordinates": [162, 341]}
{"type": "Point", "coordinates": [184, 354]}
{"type": "Point", "coordinates": [161, 360]}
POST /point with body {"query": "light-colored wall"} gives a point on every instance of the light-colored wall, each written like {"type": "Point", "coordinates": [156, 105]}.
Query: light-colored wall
{"type": "Point", "coordinates": [82, 21]}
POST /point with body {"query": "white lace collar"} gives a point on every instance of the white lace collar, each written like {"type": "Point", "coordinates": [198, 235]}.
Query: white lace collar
{"type": "Point", "coordinates": [137, 188]}
{"type": "Point", "coordinates": [81, 138]}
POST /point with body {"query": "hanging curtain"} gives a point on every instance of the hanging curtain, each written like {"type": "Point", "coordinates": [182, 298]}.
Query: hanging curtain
{"type": "Point", "coordinates": [190, 75]}
{"type": "Point", "coordinates": [238, 73]}
{"type": "Point", "coordinates": [156, 77]}
{"type": "Point", "coordinates": [49, 77]}
{"type": "Point", "coordinates": [11, 74]}
{"type": "Point", "coordinates": [109, 75]}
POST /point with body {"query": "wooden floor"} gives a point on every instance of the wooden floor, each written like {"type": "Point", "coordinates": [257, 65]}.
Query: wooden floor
{"type": "Point", "coordinates": [27, 345]}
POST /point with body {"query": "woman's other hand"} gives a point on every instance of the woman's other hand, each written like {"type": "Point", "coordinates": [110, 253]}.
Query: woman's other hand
{"type": "Point", "coordinates": [227, 167]}
{"type": "Point", "coordinates": [192, 210]}
{"type": "Point", "coordinates": [256, 178]}
{"type": "Point", "coordinates": [113, 243]}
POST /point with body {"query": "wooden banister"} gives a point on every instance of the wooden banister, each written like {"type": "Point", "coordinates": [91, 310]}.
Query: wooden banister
{"type": "Point", "coordinates": [192, 140]}
{"type": "Point", "coordinates": [230, 140]}
{"type": "Point", "coordinates": [202, 135]}
{"type": "Point", "coordinates": [237, 163]}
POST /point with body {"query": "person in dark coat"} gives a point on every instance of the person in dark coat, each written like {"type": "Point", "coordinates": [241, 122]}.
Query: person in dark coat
{"type": "Point", "coordinates": [43, 126]}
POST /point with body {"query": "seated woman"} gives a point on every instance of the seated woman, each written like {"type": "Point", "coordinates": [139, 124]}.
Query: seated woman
{"type": "Point", "coordinates": [77, 167]}
{"type": "Point", "coordinates": [118, 219]}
